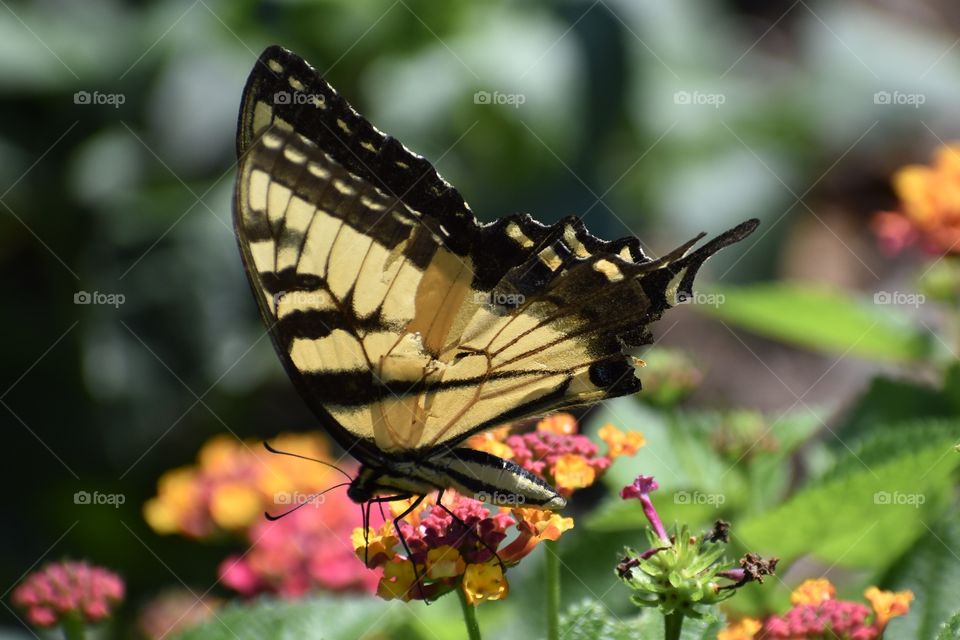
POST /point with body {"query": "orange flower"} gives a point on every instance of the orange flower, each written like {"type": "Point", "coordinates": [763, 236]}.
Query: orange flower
{"type": "Point", "coordinates": [620, 443]}
{"type": "Point", "coordinates": [929, 201]}
{"type": "Point", "coordinates": [492, 442]}
{"type": "Point", "coordinates": [535, 526]}
{"type": "Point", "coordinates": [813, 591]}
{"type": "Point", "coordinates": [888, 604]}
{"type": "Point", "coordinates": [571, 471]}
{"type": "Point", "coordinates": [562, 424]}
{"type": "Point", "coordinates": [743, 629]}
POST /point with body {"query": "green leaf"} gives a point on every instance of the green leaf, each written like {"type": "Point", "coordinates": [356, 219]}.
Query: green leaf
{"type": "Point", "coordinates": [930, 570]}
{"type": "Point", "coordinates": [821, 319]}
{"type": "Point", "coordinates": [950, 630]}
{"type": "Point", "coordinates": [890, 400]}
{"type": "Point", "coordinates": [318, 618]}
{"type": "Point", "coordinates": [591, 620]}
{"type": "Point", "coordinates": [864, 518]}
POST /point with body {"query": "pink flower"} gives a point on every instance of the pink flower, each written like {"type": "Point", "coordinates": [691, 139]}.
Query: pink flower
{"type": "Point", "coordinates": [304, 551]}
{"type": "Point", "coordinates": [640, 489]}
{"type": "Point", "coordinates": [68, 588]}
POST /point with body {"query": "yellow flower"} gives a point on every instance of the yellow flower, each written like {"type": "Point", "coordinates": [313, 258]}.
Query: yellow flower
{"type": "Point", "coordinates": [398, 580]}
{"type": "Point", "coordinates": [444, 562]}
{"type": "Point", "coordinates": [369, 547]}
{"type": "Point", "coordinates": [235, 505]}
{"type": "Point", "coordinates": [562, 424]}
{"type": "Point", "coordinates": [743, 629]}
{"type": "Point", "coordinates": [219, 456]}
{"type": "Point", "coordinates": [813, 592]}
{"type": "Point", "coordinates": [482, 582]}
{"type": "Point", "coordinates": [160, 516]}
{"type": "Point", "coordinates": [621, 443]}
{"type": "Point", "coordinates": [888, 604]}
{"type": "Point", "coordinates": [546, 524]}
{"type": "Point", "coordinates": [177, 496]}
{"type": "Point", "coordinates": [572, 471]}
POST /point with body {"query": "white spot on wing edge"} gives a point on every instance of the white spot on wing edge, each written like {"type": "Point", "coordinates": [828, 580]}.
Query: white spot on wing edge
{"type": "Point", "coordinates": [517, 235]}
{"type": "Point", "coordinates": [608, 269]}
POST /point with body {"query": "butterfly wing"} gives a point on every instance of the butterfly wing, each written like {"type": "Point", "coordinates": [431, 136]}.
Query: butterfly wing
{"type": "Point", "coordinates": [405, 323]}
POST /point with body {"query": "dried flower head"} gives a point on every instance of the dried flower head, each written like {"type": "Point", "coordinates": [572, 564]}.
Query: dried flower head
{"type": "Point", "coordinates": [63, 590]}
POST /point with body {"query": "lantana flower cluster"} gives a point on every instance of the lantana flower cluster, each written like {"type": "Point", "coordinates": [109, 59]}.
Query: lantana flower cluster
{"type": "Point", "coordinates": [817, 613]}
{"type": "Point", "coordinates": [228, 491]}
{"type": "Point", "coordinates": [472, 548]}
{"type": "Point", "coordinates": [466, 545]}
{"type": "Point", "coordinates": [929, 212]}
{"type": "Point", "coordinates": [308, 549]}
{"type": "Point", "coordinates": [234, 482]}
{"type": "Point", "coordinates": [68, 591]}
{"type": "Point", "coordinates": [558, 453]}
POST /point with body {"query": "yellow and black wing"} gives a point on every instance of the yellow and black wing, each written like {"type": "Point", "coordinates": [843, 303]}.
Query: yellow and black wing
{"type": "Point", "coordinates": [405, 323]}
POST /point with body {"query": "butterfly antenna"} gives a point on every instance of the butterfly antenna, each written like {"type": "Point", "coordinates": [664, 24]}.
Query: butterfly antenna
{"type": "Point", "coordinates": [304, 503]}
{"type": "Point", "coordinates": [271, 449]}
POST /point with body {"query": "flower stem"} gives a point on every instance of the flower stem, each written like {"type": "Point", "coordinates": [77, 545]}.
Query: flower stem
{"type": "Point", "coordinates": [469, 616]}
{"type": "Point", "coordinates": [73, 628]}
{"type": "Point", "coordinates": [672, 624]}
{"type": "Point", "coordinates": [552, 582]}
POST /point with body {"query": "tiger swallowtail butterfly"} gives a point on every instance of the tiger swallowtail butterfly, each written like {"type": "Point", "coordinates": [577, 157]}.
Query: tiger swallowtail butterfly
{"type": "Point", "coordinates": [406, 324]}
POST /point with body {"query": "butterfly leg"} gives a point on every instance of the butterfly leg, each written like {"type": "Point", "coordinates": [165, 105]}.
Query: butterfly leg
{"type": "Point", "coordinates": [366, 520]}
{"type": "Point", "coordinates": [403, 540]}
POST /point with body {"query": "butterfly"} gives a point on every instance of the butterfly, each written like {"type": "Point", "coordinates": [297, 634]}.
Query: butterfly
{"type": "Point", "coordinates": [408, 326]}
